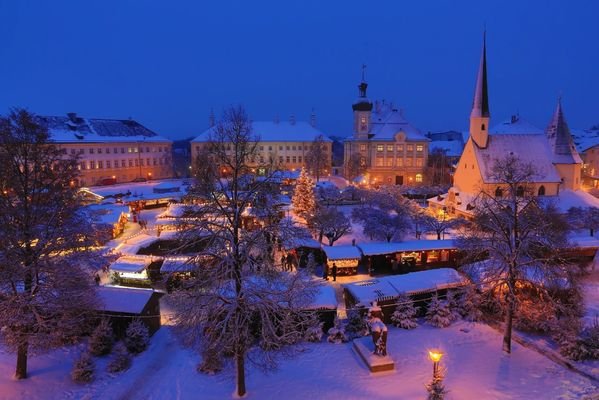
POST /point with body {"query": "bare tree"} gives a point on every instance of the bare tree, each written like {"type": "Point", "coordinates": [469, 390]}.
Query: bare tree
{"type": "Point", "coordinates": [330, 222]}
{"type": "Point", "coordinates": [238, 303]}
{"type": "Point", "coordinates": [355, 166]}
{"type": "Point", "coordinates": [438, 224]}
{"type": "Point", "coordinates": [318, 159]}
{"type": "Point", "coordinates": [385, 214]}
{"type": "Point", "coordinates": [584, 218]}
{"type": "Point", "coordinates": [519, 237]}
{"type": "Point", "coordinates": [45, 294]}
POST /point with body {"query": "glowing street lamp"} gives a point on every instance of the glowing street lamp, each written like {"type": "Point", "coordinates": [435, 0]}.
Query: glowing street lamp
{"type": "Point", "coordinates": [435, 356]}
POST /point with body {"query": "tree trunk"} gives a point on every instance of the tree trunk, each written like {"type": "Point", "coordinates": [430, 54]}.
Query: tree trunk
{"type": "Point", "coordinates": [240, 364]}
{"type": "Point", "coordinates": [592, 232]}
{"type": "Point", "coordinates": [21, 370]}
{"type": "Point", "coordinates": [507, 334]}
{"type": "Point", "coordinates": [438, 235]}
{"type": "Point", "coordinates": [320, 235]}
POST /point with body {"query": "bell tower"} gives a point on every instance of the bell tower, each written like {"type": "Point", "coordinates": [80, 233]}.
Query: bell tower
{"type": "Point", "coordinates": [362, 108]}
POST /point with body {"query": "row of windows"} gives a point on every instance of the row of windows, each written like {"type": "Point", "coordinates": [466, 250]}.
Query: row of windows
{"type": "Point", "coordinates": [93, 164]}
{"type": "Point", "coordinates": [399, 162]}
{"type": "Point", "coordinates": [400, 147]}
{"type": "Point", "coordinates": [270, 148]}
{"type": "Point", "coordinates": [520, 191]}
{"type": "Point", "coordinates": [115, 150]}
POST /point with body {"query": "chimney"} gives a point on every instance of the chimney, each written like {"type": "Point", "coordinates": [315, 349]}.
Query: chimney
{"type": "Point", "coordinates": [515, 118]}
{"type": "Point", "coordinates": [313, 119]}
{"type": "Point", "coordinates": [72, 116]}
{"type": "Point", "coordinates": [292, 119]}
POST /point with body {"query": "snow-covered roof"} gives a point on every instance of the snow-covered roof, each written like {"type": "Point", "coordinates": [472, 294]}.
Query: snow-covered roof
{"type": "Point", "coordinates": [107, 213]}
{"type": "Point", "coordinates": [373, 249]}
{"type": "Point", "coordinates": [530, 149]}
{"type": "Point", "coordinates": [177, 264]}
{"type": "Point", "coordinates": [123, 299]}
{"type": "Point", "coordinates": [131, 264]}
{"type": "Point", "coordinates": [283, 131]}
{"type": "Point", "coordinates": [571, 198]}
{"type": "Point", "coordinates": [74, 129]}
{"type": "Point", "coordinates": [389, 288]}
{"type": "Point", "coordinates": [293, 243]}
{"type": "Point", "coordinates": [585, 139]}
{"type": "Point", "coordinates": [325, 299]}
{"type": "Point", "coordinates": [387, 121]}
{"type": "Point", "coordinates": [140, 190]}
{"type": "Point", "coordinates": [515, 126]}
{"type": "Point", "coordinates": [342, 252]}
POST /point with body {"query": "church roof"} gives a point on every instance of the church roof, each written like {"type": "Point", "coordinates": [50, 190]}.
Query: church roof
{"type": "Point", "coordinates": [515, 126]}
{"type": "Point", "coordinates": [533, 149]}
{"type": "Point", "coordinates": [560, 138]}
{"type": "Point", "coordinates": [387, 121]}
{"type": "Point", "coordinates": [283, 131]}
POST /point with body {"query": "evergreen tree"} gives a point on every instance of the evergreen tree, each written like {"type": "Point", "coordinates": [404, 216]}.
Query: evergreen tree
{"type": "Point", "coordinates": [356, 325]}
{"type": "Point", "coordinates": [83, 369]}
{"type": "Point", "coordinates": [404, 315]}
{"type": "Point", "coordinates": [304, 201]}
{"type": "Point", "coordinates": [137, 337]}
{"type": "Point", "coordinates": [436, 390]}
{"type": "Point", "coordinates": [101, 340]}
{"type": "Point", "coordinates": [438, 313]}
{"type": "Point", "coordinates": [469, 305]}
{"type": "Point", "coordinates": [121, 360]}
{"type": "Point", "coordinates": [453, 302]}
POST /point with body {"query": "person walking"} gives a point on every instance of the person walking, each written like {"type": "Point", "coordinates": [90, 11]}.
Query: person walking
{"type": "Point", "coordinates": [334, 271]}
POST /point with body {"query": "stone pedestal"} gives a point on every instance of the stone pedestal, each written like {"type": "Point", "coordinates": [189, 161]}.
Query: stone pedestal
{"type": "Point", "coordinates": [365, 348]}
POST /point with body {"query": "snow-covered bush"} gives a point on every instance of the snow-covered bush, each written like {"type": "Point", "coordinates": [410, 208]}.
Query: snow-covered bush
{"type": "Point", "coordinates": [469, 305]}
{"type": "Point", "coordinates": [438, 313]}
{"type": "Point", "coordinates": [314, 332]}
{"type": "Point", "coordinates": [356, 325]}
{"type": "Point", "coordinates": [137, 337]}
{"type": "Point", "coordinates": [101, 339]}
{"type": "Point", "coordinates": [436, 390]}
{"type": "Point", "coordinates": [83, 369]}
{"type": "Point", "coordinates": [535, 316]}
{"type": "Point", "coordinates": [211, 363]}
{"type": "Point", "coordinates": [337, 333]}
{"type": "Point", "coordinates": [121, 359]}
{"type": "Point", "coordinates": [582, 347]}
{"type": "Point", "coordinates": [404, 315]}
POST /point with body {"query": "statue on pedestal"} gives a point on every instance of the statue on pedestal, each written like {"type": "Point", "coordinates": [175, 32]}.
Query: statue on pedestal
{"type": "Point", "coordinates": [378, 330]}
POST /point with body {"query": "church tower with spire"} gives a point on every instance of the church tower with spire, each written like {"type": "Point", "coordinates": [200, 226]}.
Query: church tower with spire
{"type": "Point", "coordinates": [479, 117]}
{"type": "Point", "coordinates": [362, 108]}
{"type": "Point", "coordinates": [565, 157]}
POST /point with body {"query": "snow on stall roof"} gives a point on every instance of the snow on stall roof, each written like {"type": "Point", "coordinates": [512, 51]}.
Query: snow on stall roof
{"type": "Point", "coordinates": [123, 299]}
{"type": "Point", "coordinates": [132, 245]}
{"type": "Point", "coordinates": [293, 243]}
{"type": "Point", "coordinates": [140, 190]}
{"type": "Point", "coordinates": [283, 131]}
{"type": "Point", "coordinates": [389, 288]}
{"type": "Point", "coordinates": [325, 299]}
{"type": "Point", "coordinates": [177, 264]}
{"type": "Point", "coordinates": [342, 252]}
{"type": "Point", "coordinates": [107, 213]}
{"type": "Point", "coordinates": [131, 264]}
{"type": "Point", "coordinates": [373, 249]}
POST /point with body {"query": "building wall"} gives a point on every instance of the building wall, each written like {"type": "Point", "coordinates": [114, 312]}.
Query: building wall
{"type": "Point", "coordinates": [590, 170]}
{"type": "Point", "coordinates": [288, 155]}
{"type": "Point", "coordinates": [122, 161]}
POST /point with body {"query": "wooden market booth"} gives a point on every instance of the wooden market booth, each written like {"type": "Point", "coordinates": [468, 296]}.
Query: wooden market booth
{"type": "Point", "coordinates": [346, 258]}
{"type": "Point", "coordinates": [409, 256]}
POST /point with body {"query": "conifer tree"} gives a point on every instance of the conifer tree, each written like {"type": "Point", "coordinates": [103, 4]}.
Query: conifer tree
{"type": "Point", "coordinates": [304, 201]}
{"type": "Point", "coordinates": [356, 325]}
{"type": "Point", "coordinates": [138, 337]}
{"type": "Point", "coordinates": [438, 313]}
{"type": "Point", "coordinates": [404, 315]}
{"type": "Point", "coordinates": [101, 340]}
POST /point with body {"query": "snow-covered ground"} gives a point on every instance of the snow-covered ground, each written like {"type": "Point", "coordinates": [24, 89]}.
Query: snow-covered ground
{"type": "Point", "coordinates": [475, 366]}
{"type": "Point", "coordinates": [590, 291]}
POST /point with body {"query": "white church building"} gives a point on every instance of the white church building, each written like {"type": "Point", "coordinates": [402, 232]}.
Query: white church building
{"type": "Point", "coordinates": [551, 152]}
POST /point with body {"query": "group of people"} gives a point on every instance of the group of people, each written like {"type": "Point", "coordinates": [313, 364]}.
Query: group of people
{"type": "Point", "coordinates": [287, 261]}
{"type": "Point", "coordinates": [325, 272]}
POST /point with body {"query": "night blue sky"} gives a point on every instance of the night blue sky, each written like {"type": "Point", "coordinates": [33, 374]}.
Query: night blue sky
{"type": "Point", "coordinates": [168, 63]}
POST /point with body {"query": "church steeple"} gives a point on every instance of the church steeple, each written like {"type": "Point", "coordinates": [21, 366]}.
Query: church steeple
{"type": "Point", "coordinates": [362, 108]}
{"type": "Point", "coordinates": [480, 115]}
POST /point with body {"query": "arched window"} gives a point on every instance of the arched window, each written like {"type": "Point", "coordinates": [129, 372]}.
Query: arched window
{"type": "Point", "coordinates": [541, 191]}
{"type": "Point", "coordinates": [499, 192]}
{"type": "Point", "coordinates": [418, 177]}
{"type": "Point", "coordinates": [482, 127]}
{"type": "Point", "coordinates": [520, 191]}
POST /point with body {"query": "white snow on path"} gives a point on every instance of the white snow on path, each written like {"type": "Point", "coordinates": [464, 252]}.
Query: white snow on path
{"type": "Point", "coordinates": [475, 366]}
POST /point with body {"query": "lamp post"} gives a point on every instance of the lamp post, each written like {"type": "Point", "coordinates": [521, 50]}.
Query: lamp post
{"type": "Point", "coordinates": [435, 356]}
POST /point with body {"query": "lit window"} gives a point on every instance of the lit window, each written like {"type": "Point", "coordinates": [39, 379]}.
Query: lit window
{"type": "Point", "coordinates": [380, 147]}
{"type": "Point", "coordinates": [419, 148]}
{"type": "Point", "coordinates": [399, 162]}
{"type": "Point", "coordinates": [410, 147]}
{"type": "Point", "coordinates": [419, 162]}
{"type": "Point", "coordinates": [362, 147]}
{"type": "Point", "coordinates": [389, 162]}
{"type": "Point", "coordinates": [379, 161]}
{"type": "Point", "coordinates": [400, 147]}
{"type": "Point", "coordinates": [418, 177]}
{"type": "Point", "coordinates": [408, 162]}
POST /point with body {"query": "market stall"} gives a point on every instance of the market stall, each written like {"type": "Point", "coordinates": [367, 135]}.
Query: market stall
{"type": "Point", "coordinates": [346, 258]}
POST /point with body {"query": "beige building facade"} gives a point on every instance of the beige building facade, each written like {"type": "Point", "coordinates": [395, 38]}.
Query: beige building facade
{"type": "Point", "coordinates": [111, 151]}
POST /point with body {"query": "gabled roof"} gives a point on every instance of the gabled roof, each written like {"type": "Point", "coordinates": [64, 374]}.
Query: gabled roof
{"type": "Point", "coordinates": [124, 300]}
{"type": "Point", "coordinates": [72, 128]}
{"type": "Point", "coordinates": [515, 126]}
{"type": "Point", "coordinates": [559, 136]}
{"type": "Point", "coordinates": [585, 139]}
{"type": "Point", "coordinates": [270, 131]}
{"type": "Point", "coordinates": [533, 149]}
{"type": "Point", "coordinates": [387, 121]}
